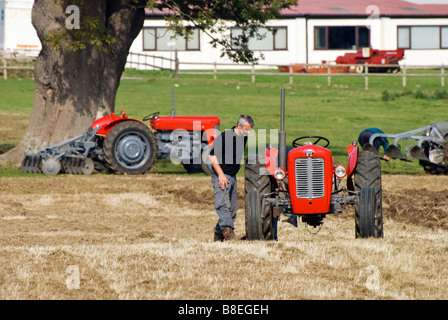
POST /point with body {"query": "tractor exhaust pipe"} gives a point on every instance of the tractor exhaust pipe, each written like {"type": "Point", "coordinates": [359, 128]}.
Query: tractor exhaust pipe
{"type": "Point", "coordinates": [282, 134]}
{"type": "Point", "coordinates": [173, 113]}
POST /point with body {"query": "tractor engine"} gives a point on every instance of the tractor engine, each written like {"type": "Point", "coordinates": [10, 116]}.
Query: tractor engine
{"type": "Point", "coordinates": [310, 182]}
{"type": "Point", "coordinates": [185, 139]}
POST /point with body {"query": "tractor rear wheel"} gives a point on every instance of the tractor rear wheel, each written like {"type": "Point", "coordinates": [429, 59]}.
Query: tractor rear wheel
{"type": "Point", "coordinates": [366, 211]}
{"type": "Point", "coordinates": [204, 166]}
{"type": "Point", "coordinates": [369, 210]}
{"type": "Point", "coordinates": [259, 221]}
{"type": "Point", "coordinates": [130, 148]}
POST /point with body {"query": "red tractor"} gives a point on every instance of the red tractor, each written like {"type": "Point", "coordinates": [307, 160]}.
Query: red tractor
{"type": "Point", "coordinates": [123, 145]}
{"type": "Point", "coordinates": [388, 58]}
{"type": "Point", "coordinates": [305, 182]}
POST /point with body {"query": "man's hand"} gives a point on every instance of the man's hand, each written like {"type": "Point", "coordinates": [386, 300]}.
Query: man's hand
{"type": "Point", "coordinates": [223, 181]}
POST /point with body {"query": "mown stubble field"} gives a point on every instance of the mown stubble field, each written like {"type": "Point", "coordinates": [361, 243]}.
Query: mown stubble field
{"type": "Point", "coordinates": [150, 237]}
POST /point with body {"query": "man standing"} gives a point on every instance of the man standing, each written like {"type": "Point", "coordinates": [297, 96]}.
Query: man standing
{"type": "Point", "coordinates": [225, 157]}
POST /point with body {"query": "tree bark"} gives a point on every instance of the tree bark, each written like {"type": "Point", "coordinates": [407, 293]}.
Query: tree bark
{"type": "Point", "coordinates": [74, 88]}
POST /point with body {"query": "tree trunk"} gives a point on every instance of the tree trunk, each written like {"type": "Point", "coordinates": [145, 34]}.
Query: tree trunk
{"type": "Point", "coordinates": [74, 88]}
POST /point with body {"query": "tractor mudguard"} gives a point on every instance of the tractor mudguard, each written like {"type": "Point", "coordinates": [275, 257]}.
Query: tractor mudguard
{"type": "Point", "coordinates": [352, 151]}
{"type": "Point", "coordinates": [271, 159]}
{"type": "Point", "coordinates": [108, 122]}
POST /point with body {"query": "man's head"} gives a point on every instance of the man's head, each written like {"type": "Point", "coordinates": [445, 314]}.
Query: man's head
{"type": "Point", "coordinates": [244, 125]}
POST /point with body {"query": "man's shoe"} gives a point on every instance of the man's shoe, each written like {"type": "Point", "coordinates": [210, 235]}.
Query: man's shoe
{"type": "Point", "coordinates": [218, 237]}
{"type": "Point", "coordinates": [228, 233]}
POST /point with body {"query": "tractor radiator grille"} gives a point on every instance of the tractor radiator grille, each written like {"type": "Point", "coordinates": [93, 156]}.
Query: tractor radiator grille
{"type": "Point", "coordinates": [310, 178]}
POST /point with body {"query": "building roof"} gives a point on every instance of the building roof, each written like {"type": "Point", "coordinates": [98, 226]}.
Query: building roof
{"type": "Point", "coordinates": [359, 8]}
{"type": "Point", "coordinates": [364, 8]}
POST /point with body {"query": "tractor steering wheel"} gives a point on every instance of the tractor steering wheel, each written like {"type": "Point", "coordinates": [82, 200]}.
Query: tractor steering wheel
{"type": "Point", "coordinates": [296, 143]}
{"type": "Point", "coordinates": [151, 116]}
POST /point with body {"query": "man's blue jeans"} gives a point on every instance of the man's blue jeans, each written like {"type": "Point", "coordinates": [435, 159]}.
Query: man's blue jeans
{"type": "Point", "coordinates": [226, 202]}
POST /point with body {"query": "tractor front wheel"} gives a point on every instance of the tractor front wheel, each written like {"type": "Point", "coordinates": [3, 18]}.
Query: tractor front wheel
{"type": "Point", "coordinates": [130, 148]}
{"type": "Point", "coordinates": [259, 218]}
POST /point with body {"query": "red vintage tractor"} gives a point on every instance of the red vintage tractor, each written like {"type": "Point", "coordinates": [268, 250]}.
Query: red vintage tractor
{"type": "Point", "coordinates": [375, 57]}
{"type": "Point", "coordinates": [376, 61]}
{"type": "Point", "coordinates": [305, 183]}
{"type": "Point", "coordinates": [122, 145]}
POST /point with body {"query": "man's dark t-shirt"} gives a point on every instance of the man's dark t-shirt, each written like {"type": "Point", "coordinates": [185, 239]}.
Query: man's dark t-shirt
{"type": "Point", "coordinates": [229, 149]}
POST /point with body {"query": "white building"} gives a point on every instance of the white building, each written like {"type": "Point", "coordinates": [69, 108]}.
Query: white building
{"type": "Point", "coordinates": [310, 32]}
{"type": "Point", "coordinates": [17, 34]}
{"type": "Point", "coordinates": [317, 30]}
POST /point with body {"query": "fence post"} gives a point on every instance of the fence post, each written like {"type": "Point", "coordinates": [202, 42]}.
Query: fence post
{"type": "Point", "coordinates": [253, 73]}
{"type": "Point", "coordinates": [290, 73]}
{"type": "Point", "coordinates": [329, 74]}
{"type": "Point", "coordinates": [404, 75]}
{"type": "Point", "coordinates": [442, 75]}
{"type": "Point", "coordinates": [366, 71]}
{"type": "Point", "coordinates": [215, 71]}
{"type": "Point", "coordinates": [176, 66]}
{"type": "Point", "coordinates": [5, 71]}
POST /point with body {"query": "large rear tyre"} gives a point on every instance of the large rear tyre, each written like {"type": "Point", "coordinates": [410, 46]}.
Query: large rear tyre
{"type": "Point", "coordinates": [259, 221]}
{"type": "Point", "coordinates": [369, 209]}
{"type": "Point", "coordinates": [365, 217]}
{"type": "Point", "coordinates": [130, 148]}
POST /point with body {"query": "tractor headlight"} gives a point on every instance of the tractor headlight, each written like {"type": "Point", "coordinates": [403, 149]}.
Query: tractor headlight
{"type": "Point", "coordinates": [279, 174]}
{"type": "Point", "coordinates": [340, 171]}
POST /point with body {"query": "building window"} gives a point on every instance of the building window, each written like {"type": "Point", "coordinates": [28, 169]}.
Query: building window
{"type": "Point", "coordinates": [274, 39]}
{"type": "Point", "coordinates": [339, 38]}
{"type": "Point", "coordinates": [164, 39]}
{"type": "Point", "coordinates": [422, 37]}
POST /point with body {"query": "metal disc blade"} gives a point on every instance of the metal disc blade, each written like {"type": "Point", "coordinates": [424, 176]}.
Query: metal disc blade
{"type": "Point", "coordinates": [87, 166]}
{"type": "Point", "coordinates": [51, 167]}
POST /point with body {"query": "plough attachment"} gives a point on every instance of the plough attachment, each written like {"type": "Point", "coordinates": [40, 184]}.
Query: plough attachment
{"type": "Point", "coordinates": [73, 156]}
{"type": "Point", "coordinates": [431, 148]}
{"type": "Point", "coordinates": [416, 152]}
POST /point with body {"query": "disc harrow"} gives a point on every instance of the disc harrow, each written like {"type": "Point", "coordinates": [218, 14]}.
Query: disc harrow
{"type": "Point", "coordinates": [73, 156]}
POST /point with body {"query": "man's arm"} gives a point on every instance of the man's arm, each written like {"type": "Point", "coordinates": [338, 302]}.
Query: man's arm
{"type": "Point", "coordinates": [223, 181]}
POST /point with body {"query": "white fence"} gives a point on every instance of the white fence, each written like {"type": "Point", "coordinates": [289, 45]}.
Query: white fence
{"type": "Point", "coordinates": [173, 65]}
{"type": "Point", "coordinates": [329, 70]}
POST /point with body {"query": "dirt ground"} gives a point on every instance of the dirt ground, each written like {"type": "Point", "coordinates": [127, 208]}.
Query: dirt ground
{"type": "Point", "coordinates": [150, 237]}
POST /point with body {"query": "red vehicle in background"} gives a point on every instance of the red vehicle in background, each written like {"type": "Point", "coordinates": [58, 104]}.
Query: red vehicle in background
{"type": "Point", "coordinates": [360, 58]}
{"type": "Point", "coordinates": [122, 145]}
{"type": "Point", "coordinates": [389, 58]}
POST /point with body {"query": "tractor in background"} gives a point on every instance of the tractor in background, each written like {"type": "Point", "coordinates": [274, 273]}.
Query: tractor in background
{"type": "Point", "coordinates": [305, 183]}
{"type": "Point", "coordinates": [122, 145]}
